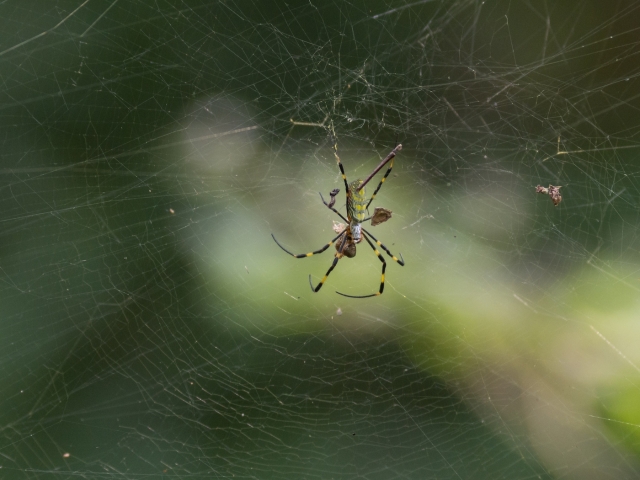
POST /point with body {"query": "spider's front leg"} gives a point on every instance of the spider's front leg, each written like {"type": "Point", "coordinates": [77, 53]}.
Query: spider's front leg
{"type": "Point", "coordinates": [384, 267]}
{"type": "Point", "coordinates": [339, 255]}
{"type": "Point", "coordinates": [382, 246]}
{"type": "Point", "coordinates": [310, 254]}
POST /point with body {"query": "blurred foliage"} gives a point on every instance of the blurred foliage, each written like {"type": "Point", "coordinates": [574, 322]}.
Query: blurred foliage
{"type": "Point", "coordinates": [150, 324]}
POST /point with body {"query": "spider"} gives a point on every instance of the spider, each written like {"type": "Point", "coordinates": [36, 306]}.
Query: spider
{"type": "Point", "coordinates": [352, 233]}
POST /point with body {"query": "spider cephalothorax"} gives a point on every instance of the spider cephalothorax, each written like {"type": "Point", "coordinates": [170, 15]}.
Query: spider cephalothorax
{"type": "Point", "coordinates": [346, 246]}
{"type": "Point", "coordinates": [351, 232]}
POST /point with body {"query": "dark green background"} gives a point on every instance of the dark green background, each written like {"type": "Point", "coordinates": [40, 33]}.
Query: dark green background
{"type": "Point", "coordinates": [151, 328]}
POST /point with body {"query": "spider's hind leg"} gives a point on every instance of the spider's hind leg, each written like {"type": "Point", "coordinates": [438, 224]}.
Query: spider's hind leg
{"type": "Point", "coordinates": [375, 192]}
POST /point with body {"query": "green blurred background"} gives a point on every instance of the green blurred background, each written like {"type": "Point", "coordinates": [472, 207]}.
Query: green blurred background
{"type": "Point", "coordinates": [151, 327]}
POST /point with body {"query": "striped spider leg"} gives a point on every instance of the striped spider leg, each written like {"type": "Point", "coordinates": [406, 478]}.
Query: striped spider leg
{"type": "Point", "coordinates": [352, 233]}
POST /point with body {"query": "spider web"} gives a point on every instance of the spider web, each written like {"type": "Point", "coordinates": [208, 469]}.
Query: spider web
{"type": "Point", "coordinates": [150, 326]}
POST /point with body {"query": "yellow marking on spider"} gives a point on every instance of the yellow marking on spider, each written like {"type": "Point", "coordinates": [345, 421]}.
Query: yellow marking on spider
{"type": "Point", "coordinates": [351, 233]}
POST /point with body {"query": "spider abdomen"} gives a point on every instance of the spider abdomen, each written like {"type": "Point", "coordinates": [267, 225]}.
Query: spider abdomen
{"type": "Point", "coordinates": [356, 208]}
{"type": "Point", "coordinates": [351, 232]}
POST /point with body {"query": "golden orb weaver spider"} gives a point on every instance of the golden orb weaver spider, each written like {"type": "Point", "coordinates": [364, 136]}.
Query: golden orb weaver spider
{"type": "Point", "coordinates": [353, 232]}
